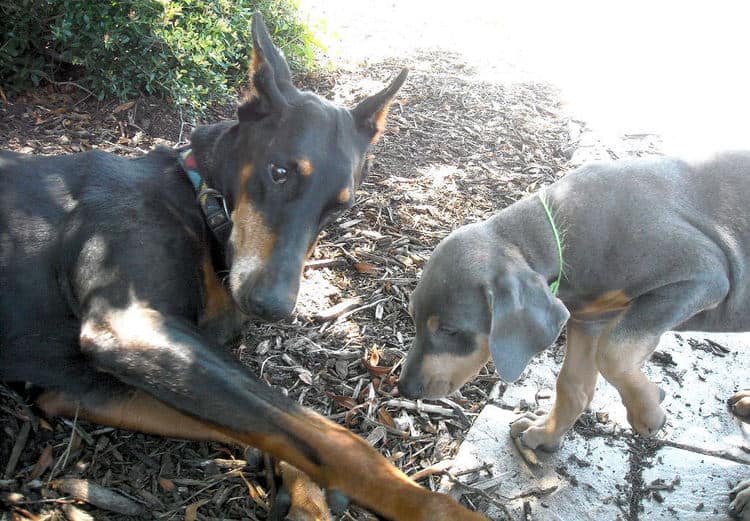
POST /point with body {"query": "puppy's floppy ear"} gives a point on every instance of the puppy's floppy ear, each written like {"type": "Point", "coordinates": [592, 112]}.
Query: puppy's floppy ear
{"type": "Point", "coordinates": [526, 319]}
{"type": "Point", "coordinates": [371, 113]}
{"type": "Point", "coordinates": [269, 74]}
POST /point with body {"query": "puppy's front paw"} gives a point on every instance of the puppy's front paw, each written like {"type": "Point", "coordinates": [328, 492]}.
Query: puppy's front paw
{"type": "Point", "coordinates": [739, 403]}
{"type": "Point", "coordinates": [535, 432]}
{"type": "Point", "coordinates": [740, 505]}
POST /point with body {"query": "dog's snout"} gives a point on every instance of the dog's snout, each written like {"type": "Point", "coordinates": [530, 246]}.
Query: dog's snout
{"type": "Point", "coordinates": [269, 305]}
{"type": "Point", "coordinates": [410, 388]}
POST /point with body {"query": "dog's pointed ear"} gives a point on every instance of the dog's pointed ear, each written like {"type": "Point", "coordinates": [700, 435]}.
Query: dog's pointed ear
{"type": "Point", "coordinates": [269, 74]}
{"type": "Point", "coordinates": [371, 113]}
{"type": "Point", "coordinates": [526, 319]}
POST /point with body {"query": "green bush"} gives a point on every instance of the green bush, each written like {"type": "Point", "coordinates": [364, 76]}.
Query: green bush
{"type": "Point", "coordinates": [192, 51]}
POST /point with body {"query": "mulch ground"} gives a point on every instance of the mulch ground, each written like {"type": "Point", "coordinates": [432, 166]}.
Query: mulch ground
{"type": "Point", "coordinates": [456, 151]}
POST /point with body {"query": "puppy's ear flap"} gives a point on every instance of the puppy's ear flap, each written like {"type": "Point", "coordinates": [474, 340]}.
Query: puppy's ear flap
{"type": "Point", "coordinates": [269, 74]}
{"type": "Point", "coordinates": [526, 319]}
{"type": "Point", "coordinates": [371, 113]}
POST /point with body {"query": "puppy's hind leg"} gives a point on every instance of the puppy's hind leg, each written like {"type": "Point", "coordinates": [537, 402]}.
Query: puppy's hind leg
{"type": "Point", "coordinates": [575, 389]}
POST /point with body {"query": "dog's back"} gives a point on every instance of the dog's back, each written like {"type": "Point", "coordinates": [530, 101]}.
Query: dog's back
{"type": "Point", "coordinates": [655, 214]}
{"type": "Point", "coordinates": [56, 212]}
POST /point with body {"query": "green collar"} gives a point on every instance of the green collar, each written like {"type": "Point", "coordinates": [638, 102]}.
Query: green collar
{"type": "Point", "coordinates": [555, 286]}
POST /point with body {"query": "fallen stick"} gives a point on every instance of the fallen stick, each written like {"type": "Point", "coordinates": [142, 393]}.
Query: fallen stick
{"type": "Point", "coordinates": [15, 454]}
{"type": "Point", "coordinates": [339, 309]}
{"type": "Point", "coordinates": [425, 407]}
{"type": "Point", "coordinates": [104, 498]}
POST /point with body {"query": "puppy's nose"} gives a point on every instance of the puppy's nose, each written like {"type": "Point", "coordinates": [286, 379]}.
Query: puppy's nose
{"type": "Point", "coordinates": [410, 388]}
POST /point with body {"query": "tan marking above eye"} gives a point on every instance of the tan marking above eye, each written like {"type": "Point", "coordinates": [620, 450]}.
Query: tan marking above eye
{"type": "Point", "coordinates": [345, 195]}
{"type": "Point", "coordinates": [433, 323]}
{"type": "Point", "coordinates": [305, 167]}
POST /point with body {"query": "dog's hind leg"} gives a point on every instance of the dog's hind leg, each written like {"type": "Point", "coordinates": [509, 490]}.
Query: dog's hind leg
{"type": "Point", "coordinates": [574, 391]}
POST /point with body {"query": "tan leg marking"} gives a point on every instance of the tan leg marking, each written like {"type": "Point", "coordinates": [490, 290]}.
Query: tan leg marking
{"type": "Point", "coordinates": [308, 500]}
{"type": "Point", "coordinates": [347, 463]}
{"type": "Point", "coordinates": [575, 389]}
{"type": "Point", "coordinates": [621, 364]}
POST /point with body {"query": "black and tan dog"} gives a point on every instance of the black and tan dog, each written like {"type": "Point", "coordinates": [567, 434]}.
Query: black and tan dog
{"type": "Point", "coordinates": [110, 300]}
{"type": "Point", "coordinates": [646, 246]}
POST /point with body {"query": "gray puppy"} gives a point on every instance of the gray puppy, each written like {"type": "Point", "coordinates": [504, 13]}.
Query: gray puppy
{"type": "Point", "coordinates": [637, 248]}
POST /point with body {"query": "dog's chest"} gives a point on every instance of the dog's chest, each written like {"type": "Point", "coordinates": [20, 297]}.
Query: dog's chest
{"type": "Point", "coordinates": [220, 317]}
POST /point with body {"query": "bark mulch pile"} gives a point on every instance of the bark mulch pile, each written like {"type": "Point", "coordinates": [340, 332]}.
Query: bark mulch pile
{"type": "Point", "coordinates": [456, 150]}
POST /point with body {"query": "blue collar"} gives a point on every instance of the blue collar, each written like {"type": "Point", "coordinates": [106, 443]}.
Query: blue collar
{"type": "Point", "coordinates": [212, 202]}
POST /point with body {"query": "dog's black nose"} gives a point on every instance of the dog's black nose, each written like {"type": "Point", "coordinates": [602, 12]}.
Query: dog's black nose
{"type": "Point", "coordinates": [268, 306]}
{"type": "Point", "coordinates": [410, 389]}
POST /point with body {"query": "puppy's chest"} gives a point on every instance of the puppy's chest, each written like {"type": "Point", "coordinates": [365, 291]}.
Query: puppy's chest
{"type": "Point", "coordinates": [220, 318]}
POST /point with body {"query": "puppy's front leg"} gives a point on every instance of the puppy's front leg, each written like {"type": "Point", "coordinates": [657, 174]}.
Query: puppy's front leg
{"type": "Point", "coordinates": [575, 389]}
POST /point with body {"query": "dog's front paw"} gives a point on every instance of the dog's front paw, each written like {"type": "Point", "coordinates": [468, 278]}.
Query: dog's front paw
{"type": "Point", "coordinates": [299, 499]}
{"type": "Point", "coordinates": [739, 403]}
{"type": "Point", "coordinates": [740, 505]}
{"type": "Point", "coordinates": [534, 430]}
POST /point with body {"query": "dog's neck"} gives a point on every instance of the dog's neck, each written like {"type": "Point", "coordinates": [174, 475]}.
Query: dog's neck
{"type": "Point", "coordinates": [213, 148]}
{"type": "Point", "coordinates": [525, 227]}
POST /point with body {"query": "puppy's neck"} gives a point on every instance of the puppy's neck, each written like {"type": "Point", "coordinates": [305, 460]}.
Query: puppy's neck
{"type": "Point", "coordinates": [525, 227]}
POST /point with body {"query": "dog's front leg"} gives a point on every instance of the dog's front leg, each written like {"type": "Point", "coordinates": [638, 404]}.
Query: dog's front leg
{"type": "Point", "coordinates": [185, 387]}
{"type": "Point", "coordinates": [631, 338]}
{"type": "Point", "coordinates": [574, 391]}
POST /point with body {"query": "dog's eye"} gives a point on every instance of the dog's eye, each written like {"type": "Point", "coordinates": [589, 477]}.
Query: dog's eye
{"type": "Point", "coordinates": [447, 331]}
{"type": "Point", "coordinates": [279, 174]}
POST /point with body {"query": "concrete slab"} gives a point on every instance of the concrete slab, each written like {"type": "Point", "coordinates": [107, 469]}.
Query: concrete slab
{"type": "Point", "coordinates": [697, 387]}
{"type": "Point", "coordinates": [697, 486]}
{"type": "Point", "coordinates": [585, 480]}
{"type": "Point", "coordinates": [697, 383]}
{"type": "Point", "coordinates": [593, 475]}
